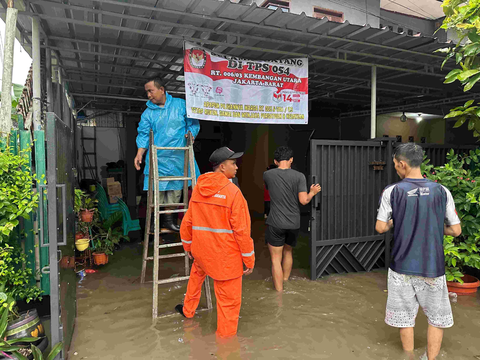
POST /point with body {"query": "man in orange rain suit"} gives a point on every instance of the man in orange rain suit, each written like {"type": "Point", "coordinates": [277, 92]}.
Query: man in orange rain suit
{"type": "Point", "coordinates": [215, 233]}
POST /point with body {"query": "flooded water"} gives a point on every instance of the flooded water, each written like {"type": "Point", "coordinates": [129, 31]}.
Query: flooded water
{"type": "Point", "coordinates": [338, 317]}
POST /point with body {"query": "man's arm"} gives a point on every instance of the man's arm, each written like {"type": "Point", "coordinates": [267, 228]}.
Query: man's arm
{"type": "Point", "coordinates": [382, 226]}
{"type": "Point", "coordinates": [384, 215]}
{"type": "Point", "coordinates": [305, 198]}
{"type": "Point", "coordinates": [452, 226]}
{"type": "Point", "coordinates": [186, 233]}
{"type": "Point", "coordinates": [241, 226]}
{"type": "Point", "coordinates": [192, 125]}
{"type": "Point", "coordinates": [143, 139]}
{"type": "Point", "coordinates": [452, 230]}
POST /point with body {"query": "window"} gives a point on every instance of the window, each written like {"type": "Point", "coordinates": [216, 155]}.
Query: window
{"type": "Point", "coordinates": [331, 15]}
{"type": "Point", "coordinates": [284, 5]}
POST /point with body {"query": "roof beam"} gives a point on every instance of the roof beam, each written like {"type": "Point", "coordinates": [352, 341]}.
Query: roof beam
{"type": "Point", "coordinates": [205, 17]}
{"type": "Point", "coordinates": [237, 22]}
{"type": "Point", "coordinates": [178, 37]}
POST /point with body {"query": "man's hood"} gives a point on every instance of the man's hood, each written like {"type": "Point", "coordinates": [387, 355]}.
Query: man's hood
{"type": "Point", "coordinates": [153, 106]}
{"type": "Point", "coordinates": [211, 183]}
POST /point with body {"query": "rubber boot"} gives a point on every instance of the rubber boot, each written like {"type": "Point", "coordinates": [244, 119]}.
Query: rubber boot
{"type": "Point", "coordinates": [169, 224]}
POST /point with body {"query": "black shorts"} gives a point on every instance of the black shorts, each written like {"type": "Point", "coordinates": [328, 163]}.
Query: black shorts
{"type": "Point", "coordinates": [279, 237]}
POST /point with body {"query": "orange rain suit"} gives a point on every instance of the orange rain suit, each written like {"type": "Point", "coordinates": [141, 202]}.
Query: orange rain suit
{"type": "Point", "coordinates": [216, 230]}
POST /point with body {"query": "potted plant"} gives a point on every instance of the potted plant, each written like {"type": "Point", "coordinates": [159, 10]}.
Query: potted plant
{"type": "Point", "coordinates": [461, 175]}
{"type": "Point", "coordinates": [16, 284]}
{"type": "Point", "coordinates": [84, 206]}
{"type": "Point", "coordinates": [23, 347]}
{"type": "Point", "coordinates": [106, 237]}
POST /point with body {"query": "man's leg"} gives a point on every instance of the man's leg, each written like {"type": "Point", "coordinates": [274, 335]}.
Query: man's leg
{"type": "Point", "coordinates": [434, 341]}
{"type": "Point", "coordinates": [287, 261]}
{"type": "Point", "coordinates": [406, 336]}
{"type": "Point", "coordinates": [229, 301]}
{"type": "Point", "coordinates": [276, 253]}
{"type": "Point", "coordinates": [194, 290]}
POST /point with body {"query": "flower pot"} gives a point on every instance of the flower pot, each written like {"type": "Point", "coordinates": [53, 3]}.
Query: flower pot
{"type": "Point", "coordinates": [27, 325]}
{"type": "Point", "coordinates": [86, 215]}
{"type": "Point", "coordinates": [82, 244]}
{"type": "Point", "coordinates": [80, 235]}
{"type": "Point", "coordinates": [100, 258]}
{"type": "Point", "coordinates": [469, 287]}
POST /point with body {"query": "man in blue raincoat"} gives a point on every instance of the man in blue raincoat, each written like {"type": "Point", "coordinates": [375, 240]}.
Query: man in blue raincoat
{"type": "Point", "coordinates": [167, 117]}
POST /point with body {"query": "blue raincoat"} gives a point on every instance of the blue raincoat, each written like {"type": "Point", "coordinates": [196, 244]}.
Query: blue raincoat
{"type": "Point", "coordinates": [170, 125]}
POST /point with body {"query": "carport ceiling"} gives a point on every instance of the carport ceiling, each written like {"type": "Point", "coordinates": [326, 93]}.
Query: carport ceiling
{"type": "Point", "coordinates": [108, 48]}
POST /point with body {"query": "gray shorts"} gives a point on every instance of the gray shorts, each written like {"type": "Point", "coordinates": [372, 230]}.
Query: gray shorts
{"type": "Point", "coordinates": [170, 196]}
{"type": "Point", "coordinates": [407, 292]}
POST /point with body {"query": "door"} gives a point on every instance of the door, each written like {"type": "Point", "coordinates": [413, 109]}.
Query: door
{"type": "Point", "coordinates": [352, 175]}
{"type": "Point", "coordinates": [61, 229]}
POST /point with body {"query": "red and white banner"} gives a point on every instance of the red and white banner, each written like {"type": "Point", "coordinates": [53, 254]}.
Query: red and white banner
{"type": "Point", "coordinates": [225, 88]}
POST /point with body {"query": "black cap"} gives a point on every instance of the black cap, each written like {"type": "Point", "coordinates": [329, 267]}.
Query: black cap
{"type": "Point", "coordinates": [222, 154]}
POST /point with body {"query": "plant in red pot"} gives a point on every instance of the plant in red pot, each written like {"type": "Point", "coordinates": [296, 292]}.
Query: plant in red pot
{"type": "Point", "coordinates": [106, 237]}
{"type": "Point", "coordinates": [84, 206]}
{"type": "Point", "coordinates": [461, 175]}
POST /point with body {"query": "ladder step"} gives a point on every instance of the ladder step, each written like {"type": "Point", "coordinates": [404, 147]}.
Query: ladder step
{"type": "Point", "coordinates": [89, 167]}
{"type": "Point", "coordinates": [168, 256]}
{"type": "Point", "coordinates": [166, 281]}
{"type": "Point", "coordinates": [170, 148]}
{"type": "Point", "coordinates": [174, 178]}
{"type": "Point", "coordinates": [89, 153]}
{"type": "Point", "coordinates": [172, 211]}
{"type": "Point", "coordinates": [173, 204]}
{"type": "Point", "coordinates": [83, 138]}
{"type": "Point", "coordinates": [164, 246]}
{"type": "Point", "coordinates": [164, 231]}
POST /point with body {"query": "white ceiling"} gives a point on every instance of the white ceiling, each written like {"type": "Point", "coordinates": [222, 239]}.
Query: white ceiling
{"type": "Point", "coordinates": [427, 9]}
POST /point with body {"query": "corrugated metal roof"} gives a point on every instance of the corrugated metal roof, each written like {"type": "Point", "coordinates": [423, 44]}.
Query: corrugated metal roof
{"type": "Point", "coordinates": [109, 47]}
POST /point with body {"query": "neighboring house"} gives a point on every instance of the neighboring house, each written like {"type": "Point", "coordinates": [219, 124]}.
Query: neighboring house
{"type": "Point", "coordinates": [413, 18]}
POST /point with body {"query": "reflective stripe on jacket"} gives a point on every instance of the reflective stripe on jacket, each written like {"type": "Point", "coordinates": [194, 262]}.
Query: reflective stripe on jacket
{"type": "Point", "coordinates": [216, 228]}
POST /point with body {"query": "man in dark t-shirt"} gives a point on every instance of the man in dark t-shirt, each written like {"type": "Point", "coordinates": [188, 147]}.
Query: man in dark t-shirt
{"type": "Point", "coordinates": [288, 189]}
{"type": "Point", "coordinates": [421, 211]}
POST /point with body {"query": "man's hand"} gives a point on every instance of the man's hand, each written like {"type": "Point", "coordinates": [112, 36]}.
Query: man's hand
{"type": "Point", "coordinates": [315, 189]}
{"type": "Point", "coordinates": [138, 161]}
{"type": "Point", "coordinates": [139, 158]}
{"type": "Point", "coordinates": [248, 271]}
{"type": "Point", "coordinates": [189, 253]}
{"type": "Point", "coordinates": [186, 135]}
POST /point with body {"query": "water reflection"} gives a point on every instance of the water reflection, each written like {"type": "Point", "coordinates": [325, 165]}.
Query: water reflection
{"type": "Point", "coordinates": [339, 317]}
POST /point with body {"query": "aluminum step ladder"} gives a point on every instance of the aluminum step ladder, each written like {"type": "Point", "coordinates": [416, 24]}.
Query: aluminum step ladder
{"type": "Point", "coordinates": [154, 207]}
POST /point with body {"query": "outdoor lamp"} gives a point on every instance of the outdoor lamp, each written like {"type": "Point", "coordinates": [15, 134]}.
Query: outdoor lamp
{"type": "Point", "coordinates": [403, 118]}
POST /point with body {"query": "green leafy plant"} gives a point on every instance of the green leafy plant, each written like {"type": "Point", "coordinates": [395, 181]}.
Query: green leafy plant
{"type": "Point", "coordinates": [17, 198]}
{"type": "Point", "coordinates": [15, 279]}
{"type": "Point", "coordinates": [463, 18]}
{"type": "Point", "coordinates": [107, 235]}
{"type": "Point", "coordinates": [83, 201]}
{"type": "Point", "coordinates": [463, 183]}
{"type": "Point", "coordinates": [17, 349]}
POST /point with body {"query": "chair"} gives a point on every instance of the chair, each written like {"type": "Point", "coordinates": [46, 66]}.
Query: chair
{"type": "Point", "coordinates": [128, 223]}
{"type": "Point", "coordinates": [104, 207]}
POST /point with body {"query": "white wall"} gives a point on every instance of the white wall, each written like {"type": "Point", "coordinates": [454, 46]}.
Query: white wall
{"type": "Point", "coordinates": [358, 12]}
{"type": "Point", "coordinates": [424, 26]}
{"type": "Point", "coordinates": [111, 147]}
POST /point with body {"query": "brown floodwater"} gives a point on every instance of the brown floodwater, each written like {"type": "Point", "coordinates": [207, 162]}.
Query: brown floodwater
{"type": "Point", "coordinates": [336, 317]}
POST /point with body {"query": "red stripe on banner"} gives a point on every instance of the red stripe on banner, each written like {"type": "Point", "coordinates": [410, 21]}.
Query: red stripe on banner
{"type": "Point", "coordinates": [200, 62]}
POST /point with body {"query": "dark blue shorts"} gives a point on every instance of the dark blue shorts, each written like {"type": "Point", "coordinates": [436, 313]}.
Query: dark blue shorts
{"type": "Point", "coordinates": [279, 237]}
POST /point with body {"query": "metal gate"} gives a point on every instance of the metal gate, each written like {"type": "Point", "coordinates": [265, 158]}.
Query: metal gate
{"type": "Point", "coordinates": [352, 175]}
{"type": "Point", "coordinates": [61, 229]}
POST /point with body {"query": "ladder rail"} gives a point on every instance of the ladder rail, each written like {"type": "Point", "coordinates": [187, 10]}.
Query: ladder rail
{"type": "Point", "coordinates": [153, 207]}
